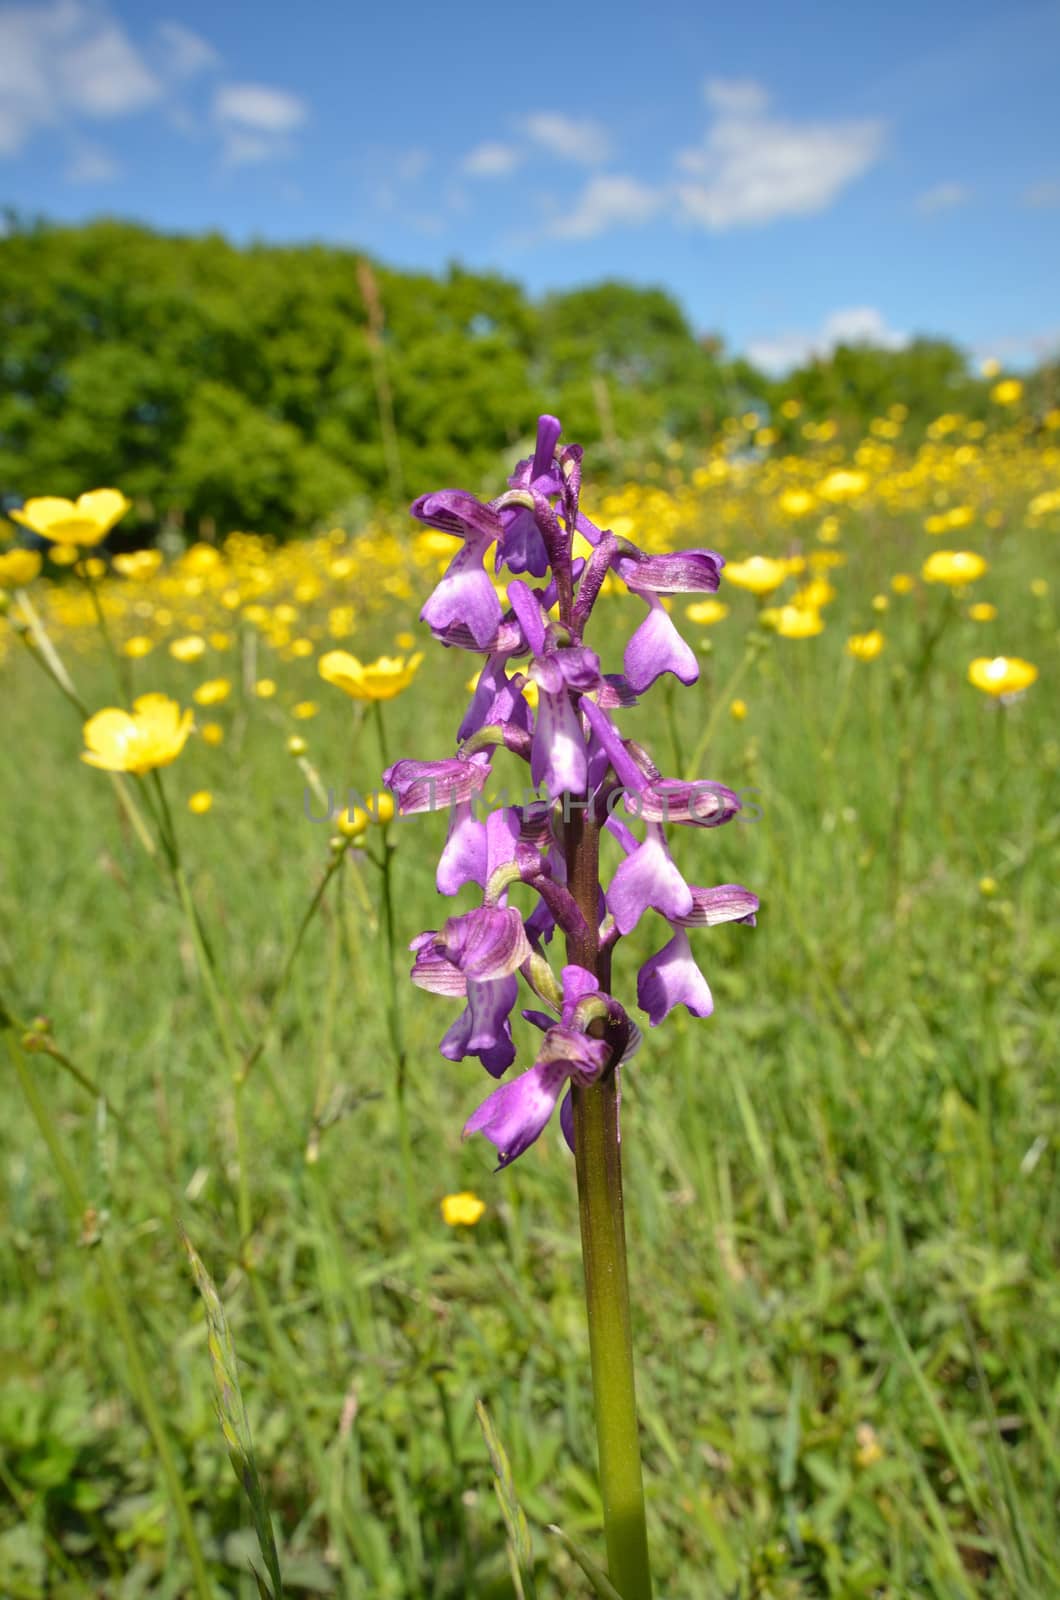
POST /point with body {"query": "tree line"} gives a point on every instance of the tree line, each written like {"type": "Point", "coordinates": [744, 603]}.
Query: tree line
{"type": "Point", "coordinates": [271, 387]}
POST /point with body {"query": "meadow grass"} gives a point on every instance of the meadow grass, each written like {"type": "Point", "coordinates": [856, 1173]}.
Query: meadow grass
{"type": "Point", "coordinates": [842, 1189]}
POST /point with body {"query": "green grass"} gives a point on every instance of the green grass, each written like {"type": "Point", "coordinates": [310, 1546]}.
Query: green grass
{"type": "Point", "coordinates": [842, 1189]}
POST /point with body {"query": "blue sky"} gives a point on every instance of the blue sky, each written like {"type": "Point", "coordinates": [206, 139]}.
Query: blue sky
{"type": "Point", "coordinates": [792, 174]}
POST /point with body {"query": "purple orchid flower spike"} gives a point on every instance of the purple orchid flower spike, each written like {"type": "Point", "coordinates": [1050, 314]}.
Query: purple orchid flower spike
{"type": "Point", "coordinates": [536, 866]}
{"type": "Point", "coordinates": [577, 755]}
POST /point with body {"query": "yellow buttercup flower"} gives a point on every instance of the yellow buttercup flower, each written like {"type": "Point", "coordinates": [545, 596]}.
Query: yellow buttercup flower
{"type": "Point", "coordinates": [944, 521]}
{"type": "Point", "coordinates": [304, 710]}
{"type": "Point", "coordinates": [18, 567]}
{"type": "Point", "coordinates": [529, 692]}
{"type": "Point", "coordinates": [462, 1210]}
{"type": "Point", "coordinates": [982, 611]}
{"type": "Point", "coordinates": [380, 806]}
{"type": "Point", "coordinates": [212, 692]}
{"type": "Point", "coordinates": [953, 567]}
{"type": "Point", "coordinates": [212, 733]}
{"type": "Point", "coordinates": [64, 555]}
{"type": "Point", "coordinates": [794, 622]}
{"type": "Point", "coordinates": [86, 520]}
{"type": "Point", "coordinates": [843, 485]}
{"type": "Point", "coordinates": [296, 745]}
{"type": "Point", "coordinates": [138, 564]}
{"type": "Point", "coordinates": [1008, 392]}
{"type": "Point", "coordinates": [813, 595]}
{"type": "Point", "coordinates": [903, 583]}
{"type": "Point", "coordinates": [200, 802]}
{"type": "Point", "coordinates": [758, 574]}
{"type": "Point", "coordinates": [869, 1449]}
{"type": "Point", "coordinates": [738, 710]}
{"type": "Point", "coordinates": [190, 648]}
{"type": "Point", "coordinates": [825, 560]}
{"type": "Point", "coordinates": [381, 679]}
{"type": "Point", "coordinates": [796, 502]}
{"type": "Point", "coordinates": [152, 736]}
{"type": "Point", "coordinates": [1003, 675]}
{"type": "Point", "coordinates": [137, 647]}
{"type": "Point", "coordinates": [865, 646]}
{"type": "Point", "coordinates": [265, 688]}
{"type": "Point", "coordinates": [705, 612]}
{"type": "Point", "coordinates": [352, 822]}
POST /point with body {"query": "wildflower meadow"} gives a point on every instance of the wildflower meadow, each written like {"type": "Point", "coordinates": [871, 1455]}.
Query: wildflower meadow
{"type": "Point", "coordinates": [784, 976]}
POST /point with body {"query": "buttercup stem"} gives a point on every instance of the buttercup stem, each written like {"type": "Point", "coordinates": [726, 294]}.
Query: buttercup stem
{"type": "Point", "coordinates": [721, 701]}
{"type": "Point", "coordinates": [397, 1038]}
{"type": "Point", "coordinates": [121, 665]}
{"type": "Point", "coordinates": [48, 659]}
{"type": "Point", "coordinates": [598, 1161]}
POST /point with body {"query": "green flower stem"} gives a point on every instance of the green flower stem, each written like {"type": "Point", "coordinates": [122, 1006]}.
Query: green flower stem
{"type": "Point", "coordinates": [842, 707]}
{"type": "Point", "coordinates": [598, 1161]}
{"type": "Point", "coordinates": [48, 659]}
{"type": "Point", "coordinates": [310, 912]}
{"type": "Point", "coordinates": [914, 688]}
{"type": "Point", "coordinates": [116, 1296]}
{"type": "Point", "coordinates": [393, 1006]}
{"type": "Point", "coordinates": [671, 724]}
{"type": "Point", "coordinates": [721, 703]}
{"type": "Point", "coordinates": [122, 670]}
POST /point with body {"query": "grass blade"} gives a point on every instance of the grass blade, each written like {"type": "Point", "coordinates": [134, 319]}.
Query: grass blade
{"type": "Point", "coordinates": [520, 1548]}
{"type": "Point", "coordinates": [232, 1415]}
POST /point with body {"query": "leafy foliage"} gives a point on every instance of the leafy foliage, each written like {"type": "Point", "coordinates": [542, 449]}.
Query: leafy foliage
{"type": "Point", "coordinates": [242, 386]}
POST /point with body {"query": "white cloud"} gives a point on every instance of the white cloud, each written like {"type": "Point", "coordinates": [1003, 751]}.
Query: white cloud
{"type": "Point", "coordinates": [90, 163]}
{"type": "Point", "coordinates": [491, 160]}
{"type": "Point", "coordinates": [943, 197]}
{"type": "Point", "coordinates": [64, 60]}
{"type": "Point", "coordinates": [852, 325]}
{"type": "Point", "coordinates": [185, 53]}
{"type": "Point", "coordinates": [1021, 349]}
{"type": "Point", "coordinates": [735, 97]}
{"type": "Point", "coordinates": [104, 75]}
{"type": "Point", "coordinates": [256, 106]}
{"type": "Point", "coordinates": [411, 165]}
{"type": "Point", "coordinates": [256, 121]}
{"type": "Point", "coordinates": [754, 167]}
{"type": "Point", "coordinates": [569, 138]}
{"type": "Point", "coordinates": [608, 202]}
